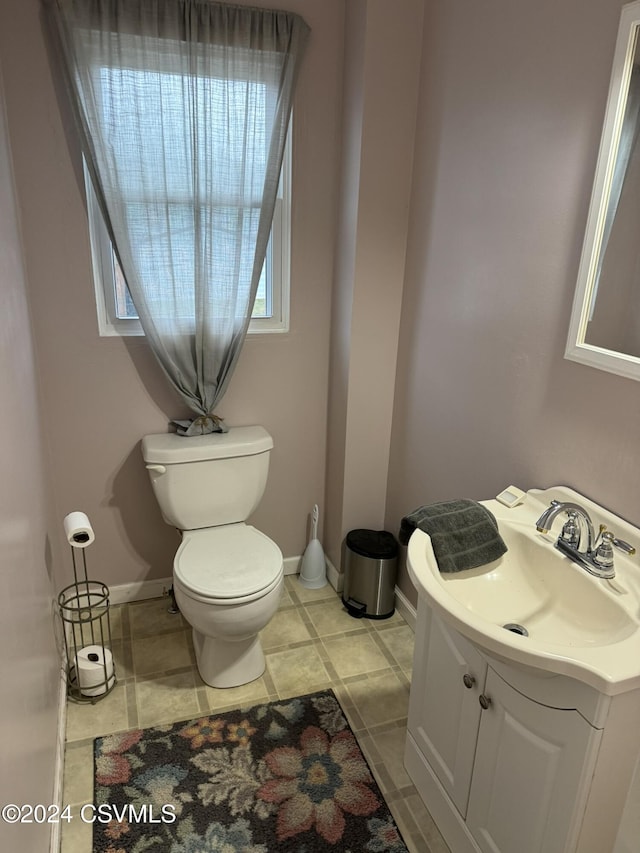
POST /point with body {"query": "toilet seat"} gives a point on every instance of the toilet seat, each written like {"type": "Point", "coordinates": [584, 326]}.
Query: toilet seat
{"type": "Point", "coordinates": [227, 563]}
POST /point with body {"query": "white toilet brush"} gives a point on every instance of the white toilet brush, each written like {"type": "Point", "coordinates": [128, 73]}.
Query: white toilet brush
{"type": "Point", "coordinates": [313, 573]}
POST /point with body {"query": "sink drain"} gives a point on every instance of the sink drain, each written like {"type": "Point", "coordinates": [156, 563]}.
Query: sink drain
{"type": "Point", "coordinates": [516, 629]}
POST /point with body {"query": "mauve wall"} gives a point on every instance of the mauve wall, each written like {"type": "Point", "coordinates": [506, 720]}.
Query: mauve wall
{"type": "Point", "coordinates": [510, 112]}
{"type": "Point", "coordinates": [30, 670]}
{"type": "Point", "coordinates": [381, 77]}
{"type": "Point", "coordinates": [101, 395]}
{"type": "Point", "coordinates": [512, 104]}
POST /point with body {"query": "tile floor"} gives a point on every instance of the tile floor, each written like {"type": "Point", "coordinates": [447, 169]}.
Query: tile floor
{"type": "Point", "coordinates": [311, 644]}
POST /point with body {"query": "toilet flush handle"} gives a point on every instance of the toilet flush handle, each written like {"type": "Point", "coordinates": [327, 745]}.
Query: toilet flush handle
{"type": "Point", "coordinates": [159, 469]}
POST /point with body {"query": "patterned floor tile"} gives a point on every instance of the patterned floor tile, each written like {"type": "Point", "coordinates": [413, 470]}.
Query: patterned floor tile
{"type": "Point", "coordinates": [297, 671]}
{"type": "Point", "coordinates": [152, 617]}
{"type": "Point", "coordinates": [380, 699]}
{"type": "Point", "coordinates": [286, 628]}
{"type": "Point", "coordinates": [328, 619]}
{"type": "Point", "coordinates": [160, 653]}
{"type": "Point", "coordinates": [311, 644]}
{"type": "Point", "coordinates": [107, 715]}
{"type": "Point", "coordinates": [168, 699]}
{"type": "Point", "coordinates": [355, 655]}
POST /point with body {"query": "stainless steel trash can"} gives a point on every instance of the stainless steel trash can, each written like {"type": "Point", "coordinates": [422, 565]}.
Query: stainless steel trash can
{"type": "Point", "coordinates": [370, 570]}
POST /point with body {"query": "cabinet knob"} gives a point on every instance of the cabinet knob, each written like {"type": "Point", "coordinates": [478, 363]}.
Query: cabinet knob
{"type": "Point", "coordinates": [468, 680]}
{"type": "Point", "coordinates": [484, 701]}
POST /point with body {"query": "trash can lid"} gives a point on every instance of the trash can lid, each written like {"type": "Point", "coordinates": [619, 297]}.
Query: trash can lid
{"type": "Point", "coordinates": [378, 544]}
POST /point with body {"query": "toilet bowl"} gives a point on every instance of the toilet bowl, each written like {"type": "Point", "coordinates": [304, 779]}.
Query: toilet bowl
{"type": "Point", "coordinates": [228, 583]}
{"type": "Point", "coordinates": [227, 575]}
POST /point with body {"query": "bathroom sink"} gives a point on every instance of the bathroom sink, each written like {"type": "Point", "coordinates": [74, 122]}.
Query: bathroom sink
{"type": "Point", "coordinates": [536, 607]}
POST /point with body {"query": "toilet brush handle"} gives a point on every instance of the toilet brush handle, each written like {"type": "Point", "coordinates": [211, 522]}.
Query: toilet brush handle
{"type": "Point", "coordinates": [314, 519]}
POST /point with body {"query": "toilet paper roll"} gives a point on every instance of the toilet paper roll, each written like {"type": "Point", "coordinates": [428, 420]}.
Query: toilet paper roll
{"type": "Point", "coordinates": [78, 530]}
{"type": "Point", "coordinates": [94, 670]}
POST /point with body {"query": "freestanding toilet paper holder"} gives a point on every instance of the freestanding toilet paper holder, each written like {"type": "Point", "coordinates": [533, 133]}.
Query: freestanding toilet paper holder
{"type": "Point", "coordinates": [86, 622]}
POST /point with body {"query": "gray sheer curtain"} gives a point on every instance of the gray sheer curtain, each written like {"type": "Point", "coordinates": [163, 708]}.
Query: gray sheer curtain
{"type": "Point", "coordinates": [183, 108]}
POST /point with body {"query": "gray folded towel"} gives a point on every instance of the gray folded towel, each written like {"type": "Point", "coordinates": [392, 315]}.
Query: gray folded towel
{"type": "Point", "coordinates": [464, 534]}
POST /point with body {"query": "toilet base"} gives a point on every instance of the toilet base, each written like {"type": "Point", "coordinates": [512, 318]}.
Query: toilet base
{"type": "Point", "coordinates": [224, 663]}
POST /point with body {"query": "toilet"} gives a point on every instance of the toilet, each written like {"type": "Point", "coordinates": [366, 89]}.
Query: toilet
{"type": "Point", "coordinates": [227, 575]}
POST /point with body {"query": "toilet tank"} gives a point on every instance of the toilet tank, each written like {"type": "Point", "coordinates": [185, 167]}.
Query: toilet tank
{"type": "Point", "coordinates": [208, 480]}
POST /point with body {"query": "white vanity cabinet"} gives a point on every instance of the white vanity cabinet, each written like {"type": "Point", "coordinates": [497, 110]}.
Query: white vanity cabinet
{"type": "Point", "coordinates": [502, 767]}
{"type": "Point", "coordinates": [444, 712]}
{"type": "Point", "coordinates": [526, 793]}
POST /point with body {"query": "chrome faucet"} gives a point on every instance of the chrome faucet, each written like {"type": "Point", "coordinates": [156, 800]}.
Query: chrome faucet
{"type": "Point", "coordinates": [596, 555]}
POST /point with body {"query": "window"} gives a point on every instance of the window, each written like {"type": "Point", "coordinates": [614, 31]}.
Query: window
{"type": "Point", "coordinates": [116, 311]}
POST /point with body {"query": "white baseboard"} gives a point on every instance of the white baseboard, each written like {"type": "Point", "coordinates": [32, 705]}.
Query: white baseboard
{"type": "Point", "coordinates": [141, 590]}
{"type": "Point", "coordinates": [406, 609]}
{"type": "Point", "coordinates": [292, 565]}
{"type": "Point", "coordinates": [58, 780]}
{"type": "Point", "coordinates": [334, 577]}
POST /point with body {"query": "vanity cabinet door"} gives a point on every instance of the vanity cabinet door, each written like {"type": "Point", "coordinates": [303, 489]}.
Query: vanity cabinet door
{"type": "Point", "coordinates": [444, 713]}
{"type": "Point", "coordinates": [527, 794]}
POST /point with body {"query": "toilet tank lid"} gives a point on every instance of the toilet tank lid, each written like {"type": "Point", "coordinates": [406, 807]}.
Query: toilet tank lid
{"type": "Point", "coordinates": [171, 448]}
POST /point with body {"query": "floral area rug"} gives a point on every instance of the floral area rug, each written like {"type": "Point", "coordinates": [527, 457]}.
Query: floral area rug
{"type": "Point", "coordinates": [284, 776]}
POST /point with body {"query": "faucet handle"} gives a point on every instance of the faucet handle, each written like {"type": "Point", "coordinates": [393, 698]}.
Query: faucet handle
{"type": "Point", "coordinates": [571, 530]}
{"type": "Point", "coordinates": [603, 555]}
{"type": "Point", "coordinates": [623, 546]}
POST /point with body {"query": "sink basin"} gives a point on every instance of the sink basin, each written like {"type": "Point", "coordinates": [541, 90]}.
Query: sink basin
{"type": "Point", "coordinates": [532, 586]}
{"type": "Point", "coordinates": [534, 606]}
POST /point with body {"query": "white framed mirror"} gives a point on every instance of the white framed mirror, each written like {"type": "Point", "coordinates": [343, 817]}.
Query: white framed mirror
{"type": "Point", "coordinates": [604, 331]}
